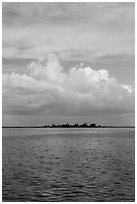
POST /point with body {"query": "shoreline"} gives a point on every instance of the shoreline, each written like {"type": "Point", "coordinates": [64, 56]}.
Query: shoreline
{"type": "Point", "coordinates": [68, 127]}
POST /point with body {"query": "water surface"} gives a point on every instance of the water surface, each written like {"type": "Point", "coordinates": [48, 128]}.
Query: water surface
{"type": "Point", "coordinates": [68, 164]}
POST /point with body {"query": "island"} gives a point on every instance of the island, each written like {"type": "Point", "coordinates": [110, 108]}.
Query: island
{"type": "Point", "coordinates": [67, 125]}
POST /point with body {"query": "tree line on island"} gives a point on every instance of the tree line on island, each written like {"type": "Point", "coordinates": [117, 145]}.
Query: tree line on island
{"type": "Point", "coordinates": [67, 125]}
{"type": "Point", "coordinates": [76, 125]}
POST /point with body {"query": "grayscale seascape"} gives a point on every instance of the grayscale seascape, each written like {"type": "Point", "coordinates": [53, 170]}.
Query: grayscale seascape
{"type": "Point", "coordinates": [68, 101]}
{"type": "Point", "coordinates": [64, 164]}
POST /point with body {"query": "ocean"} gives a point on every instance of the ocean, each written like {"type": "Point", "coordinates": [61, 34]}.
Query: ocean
{"type": "Point", "coordinates": [68, 165]}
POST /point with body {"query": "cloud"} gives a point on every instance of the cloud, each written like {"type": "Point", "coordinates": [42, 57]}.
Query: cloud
{"type": "Point", "coordinates": [47, 89]}
{"type": "Point", "coordinates": [105, 14]}
{"type": "Point", "coordinates": [68, 41]}
{"type": "Point", "coordinates": [92, 29]}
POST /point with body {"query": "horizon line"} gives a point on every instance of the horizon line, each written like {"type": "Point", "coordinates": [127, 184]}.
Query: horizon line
{"type": "Point", "coordinates": [72, 126]}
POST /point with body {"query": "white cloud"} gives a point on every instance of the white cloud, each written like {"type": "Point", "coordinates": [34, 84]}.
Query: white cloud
{"type": "Point", "coordinates": [82, 91]}
{"type": "Point", "coordinates": [129, 88]}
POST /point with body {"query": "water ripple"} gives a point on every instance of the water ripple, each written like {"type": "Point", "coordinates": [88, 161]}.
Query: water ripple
{"type": "Point", "coordinates": [69, 167]}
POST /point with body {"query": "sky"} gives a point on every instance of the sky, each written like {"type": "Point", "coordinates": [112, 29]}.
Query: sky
{"type": "Point", "coordinates": [68, 62]}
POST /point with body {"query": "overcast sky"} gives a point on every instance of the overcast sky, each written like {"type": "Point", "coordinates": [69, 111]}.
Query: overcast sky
{"type": "Point", "coordinates": [68, 62]}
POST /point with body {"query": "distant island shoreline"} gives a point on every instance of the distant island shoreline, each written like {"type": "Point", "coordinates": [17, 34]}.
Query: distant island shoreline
{"type": "Point", "coordinates": [84, 125]}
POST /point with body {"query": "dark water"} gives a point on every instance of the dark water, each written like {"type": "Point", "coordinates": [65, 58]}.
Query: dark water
{"type": "Point", "coordinates": [68, 165]}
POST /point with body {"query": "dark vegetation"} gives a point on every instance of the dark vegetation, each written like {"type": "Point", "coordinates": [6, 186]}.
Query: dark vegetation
{"type": "Point", "coordinates": [67, 125]}
{"type": "Point", "coordinates": [76, 125]}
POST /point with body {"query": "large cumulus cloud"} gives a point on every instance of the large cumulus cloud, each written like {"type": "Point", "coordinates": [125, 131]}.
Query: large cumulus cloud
{"type": "Point", "coordinates": [48, 89]}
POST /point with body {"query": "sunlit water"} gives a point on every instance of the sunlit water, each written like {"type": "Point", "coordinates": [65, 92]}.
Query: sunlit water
{"type": "Point", "coordinates": [68, 165]}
